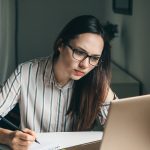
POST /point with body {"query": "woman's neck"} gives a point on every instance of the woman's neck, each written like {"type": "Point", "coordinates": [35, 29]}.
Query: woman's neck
{"type": "Point", "coordinates": [59, 73]}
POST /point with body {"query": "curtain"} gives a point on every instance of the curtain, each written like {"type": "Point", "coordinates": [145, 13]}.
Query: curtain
{"type": "Point", "coordinates": [7, 38]}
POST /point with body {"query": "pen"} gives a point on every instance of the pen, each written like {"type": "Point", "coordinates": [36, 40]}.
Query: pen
{"type": "Point", "coordinates": [14, 126]}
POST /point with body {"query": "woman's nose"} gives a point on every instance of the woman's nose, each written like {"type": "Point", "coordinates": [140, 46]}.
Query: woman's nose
{"type": "Point", "coordinates": [84, 63]}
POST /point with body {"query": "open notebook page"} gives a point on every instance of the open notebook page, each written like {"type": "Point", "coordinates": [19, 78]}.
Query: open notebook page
{"type": "Point", "coordinates": [59, 140]}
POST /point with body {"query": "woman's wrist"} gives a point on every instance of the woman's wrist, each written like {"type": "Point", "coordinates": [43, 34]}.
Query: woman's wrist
{"type": "Point", "coordinates": [5, 137]}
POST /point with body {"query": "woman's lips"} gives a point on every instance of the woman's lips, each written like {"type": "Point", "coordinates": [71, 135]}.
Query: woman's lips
{"type": "Point", "coordinates": [78, 73]}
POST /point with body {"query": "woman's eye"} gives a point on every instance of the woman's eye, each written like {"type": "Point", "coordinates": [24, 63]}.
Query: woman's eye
{"type": "Point", "coordinates": [95, 58]}
{"type": "Point", "coordinates": [79, 52]}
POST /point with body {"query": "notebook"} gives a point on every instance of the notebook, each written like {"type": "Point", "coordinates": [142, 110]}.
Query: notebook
{"type": "Point", "coordinates": [66, 140]}
{"type": "Point", "coordinates": [128, 125]}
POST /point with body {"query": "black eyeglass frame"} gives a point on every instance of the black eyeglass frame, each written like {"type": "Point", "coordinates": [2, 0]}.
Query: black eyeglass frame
{"type": "Point", "coordinates": [74, 49]}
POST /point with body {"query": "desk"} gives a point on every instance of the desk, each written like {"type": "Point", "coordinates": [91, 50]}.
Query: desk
{"type": "Point", "coordinates": [68, 140]}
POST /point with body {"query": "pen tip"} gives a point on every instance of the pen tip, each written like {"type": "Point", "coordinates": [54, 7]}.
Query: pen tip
{"type": "Point", "coordinates": [37, 141]}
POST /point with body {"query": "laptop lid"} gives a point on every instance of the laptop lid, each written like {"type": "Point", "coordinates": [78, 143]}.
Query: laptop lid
{"type": "Point", "coordinates": [128, 125]}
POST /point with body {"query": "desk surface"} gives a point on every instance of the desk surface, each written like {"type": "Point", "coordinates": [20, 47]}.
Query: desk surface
{"type": "Point", "coordinates": [67, 140]}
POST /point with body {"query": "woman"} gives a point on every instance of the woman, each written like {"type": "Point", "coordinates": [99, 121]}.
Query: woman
{"type": "Point", "coordinates": [69, 92]}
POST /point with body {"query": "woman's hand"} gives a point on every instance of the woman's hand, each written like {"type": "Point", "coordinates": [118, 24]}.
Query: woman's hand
{"type": "Point", "coordinates": [21, 140]}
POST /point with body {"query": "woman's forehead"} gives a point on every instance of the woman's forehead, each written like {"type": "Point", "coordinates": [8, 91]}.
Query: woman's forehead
{"type": "Point", "coordinates": [89, 42]}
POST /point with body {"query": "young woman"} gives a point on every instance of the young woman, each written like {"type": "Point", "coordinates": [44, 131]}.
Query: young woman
{"type": "Point", "coordinates": [69, 92]}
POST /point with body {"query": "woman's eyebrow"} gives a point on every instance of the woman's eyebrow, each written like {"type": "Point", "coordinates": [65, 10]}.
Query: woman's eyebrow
{"type": "Point", "coordinates": [80, 48]}
{"type": "Point", "coordinates": [96, 55]}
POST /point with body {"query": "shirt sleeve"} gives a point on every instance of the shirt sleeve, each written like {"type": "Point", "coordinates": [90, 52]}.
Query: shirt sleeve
{"type": "Point", "coordinates": [10, 92]}
{"type": "Point", "coordinates": [102, 116]}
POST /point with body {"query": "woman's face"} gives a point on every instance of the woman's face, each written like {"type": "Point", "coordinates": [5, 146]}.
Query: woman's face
{"type": "Point", "coordinates": [90, 43]}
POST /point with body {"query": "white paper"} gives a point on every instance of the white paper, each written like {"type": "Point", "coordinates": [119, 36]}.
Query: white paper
{"type": "Point", "coordinates": [59, 140]}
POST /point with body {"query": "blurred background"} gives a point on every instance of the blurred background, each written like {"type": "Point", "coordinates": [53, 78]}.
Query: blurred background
{"type": "Point", "coordinates": [28, 29]}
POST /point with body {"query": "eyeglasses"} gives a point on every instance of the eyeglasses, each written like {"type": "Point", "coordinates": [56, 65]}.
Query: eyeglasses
{"type": "Point", "coordinates": [80, 55]}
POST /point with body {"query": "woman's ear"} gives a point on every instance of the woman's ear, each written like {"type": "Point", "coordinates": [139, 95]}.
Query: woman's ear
{"type": "Point", "coordinates": [60, 45]}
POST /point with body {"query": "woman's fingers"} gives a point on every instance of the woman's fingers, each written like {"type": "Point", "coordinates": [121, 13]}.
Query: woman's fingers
{"type": "Point", "coordinates": [22, 139]}
{"type": "Point", "coordinates": [30, 132]}
{"type": "Point", "coordinates": [26, 135]}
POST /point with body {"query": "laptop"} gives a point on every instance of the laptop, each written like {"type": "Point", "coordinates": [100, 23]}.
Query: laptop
{"type": "Point", "coordinates": [128, 125]}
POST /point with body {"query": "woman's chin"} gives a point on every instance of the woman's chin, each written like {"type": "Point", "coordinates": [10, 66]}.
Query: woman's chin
{"type": "Point", "coordinates": [74, 77]}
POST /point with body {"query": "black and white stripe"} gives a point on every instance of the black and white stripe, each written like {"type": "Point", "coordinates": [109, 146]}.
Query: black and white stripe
{"type": "Point", "coordinates": [43, 104]}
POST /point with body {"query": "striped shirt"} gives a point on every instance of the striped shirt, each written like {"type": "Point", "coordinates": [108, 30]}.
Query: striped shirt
{"type": "Point", "coordinates": [43, 103]}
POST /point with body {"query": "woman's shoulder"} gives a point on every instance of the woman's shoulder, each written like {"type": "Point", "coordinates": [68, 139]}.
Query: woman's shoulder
{"type": "Point", "coordinates": [41, 61]}
{"type": "Point", "coordinates": [110, 96]}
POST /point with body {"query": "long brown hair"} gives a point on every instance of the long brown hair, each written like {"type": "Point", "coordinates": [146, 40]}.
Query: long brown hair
{"type": "Point", "coordinates": [90, 91]}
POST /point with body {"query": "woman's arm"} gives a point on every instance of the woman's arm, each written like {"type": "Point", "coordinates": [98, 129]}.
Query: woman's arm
{"type": "Point", "coordinates": [110, 96]}
{"type": "Point", "coordinates": [104, 108]}
{"type": "Point", "coordinates": [102, 115]}
{"type": "Point", "coordinates": [10, 92]}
